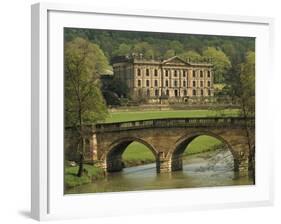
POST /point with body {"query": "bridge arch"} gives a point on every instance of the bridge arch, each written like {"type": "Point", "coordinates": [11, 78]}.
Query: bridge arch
{"type": "Point", "coordinates": [116, 149]}
{"type": "Point", "coordinates": [176, 153]}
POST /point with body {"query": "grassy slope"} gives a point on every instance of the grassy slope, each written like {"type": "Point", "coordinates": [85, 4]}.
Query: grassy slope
{"type": "Point", "coordinates": [137, 153]}
{"type": "Point", "coordinates": [143, 115]}
{"type": "Point", "coordinates": [71, 180]}
{"type": "Point", "coordinates": [201, 144]}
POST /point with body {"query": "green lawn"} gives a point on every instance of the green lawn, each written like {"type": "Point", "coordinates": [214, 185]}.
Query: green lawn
{"type": "Point", "coordinates": [143, 115]}
{"type": "Point", "coordinates": [137, 153]}
{"type": "Point", "coordinates": [201, 144]}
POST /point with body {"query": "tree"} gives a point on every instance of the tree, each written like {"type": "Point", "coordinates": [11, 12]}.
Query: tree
{"type": "Point", "coordinates": [221, 63]}
{"type": "Point", "coordinates": [111, 98]}
{"type": "Point", "coordinates": [110, 42]}
{"type": "Point", "coordinates": [242, 90]}
{"type": "Point", "coordinates": [123, 49]}
{"type": "Point", "coordinates": [247, 77]}
{"type": "Point", "coordinates": [193, 56]}
{"type": "Point", "coordinates": [84, 104]}
{"type": "Point", "coordinates": [176, 46]}
{"type": "Point", "coordinates": [145, 49]}
{"type": "Point", "coordinates": [247, 100]}
{"type": "Point", "coordinates": [169, 53]}
{"type": "Point", "coordinates": [118, 86]}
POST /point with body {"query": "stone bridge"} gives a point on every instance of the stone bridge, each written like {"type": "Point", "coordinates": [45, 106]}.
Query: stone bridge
{"type": "Point", "coordinates": [168, 138]}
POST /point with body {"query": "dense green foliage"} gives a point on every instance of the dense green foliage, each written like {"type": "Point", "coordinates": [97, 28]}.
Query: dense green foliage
{"type": "Point", "coordinates": [157, 44]}
{"type": "Point", "coordinates": [84, 102]}
{"type": "Point", "coordinates": [220, 61]}
{"type": "Point", "coordinates": [84, 62]}
{"type": "Point", "coordinates": [227, 52]}
{"type": "Point", "coordinates": [248, 85]}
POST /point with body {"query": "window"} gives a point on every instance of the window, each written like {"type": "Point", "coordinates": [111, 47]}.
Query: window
{"type": "Point", "coordinates": [185, 92]}
{"type": "Point", "coordinates": [156, 92]}
{"type": "Point", "coordinates": [167, 83]}
{"type": "Point", "coordinates": [167, 73]}
{"type": "Point", "coordinates": [176, 92]}
{"type": "Point", "coordinates": [201, 83]}
{"type": "Point", "coordinates": [183, 74]}
{"type": "Point", "coordinates": [155, 72]}
{"type": "Point", "coordinates": [167, 92]}
{"type": "Point", "coordinates": [209, 92]}
{"type": "Point", "coordinates": [147, 83]}
{"type": "Point", "coordinates": [194, 83]}
{"type": "Point", "coordinates": [202, 92]}
{"type": "Point", "coordinates": [194, 92]}
{"type": "Point", "coordinates": [209, 74]}
{"type": "Point", "coordinates": [139, 82]}
{"type": "Point", "coordinates": [209, 83]}
{"type": "Point", "coordinates": [184, 83]}
{"type": "Point", "coordinates": [155, 83]}
{"type": "Point", "coordinates": [139, 72]}
{"type": "Point", "coordinates": [148, 92]}
{"type": "Point", "coordinates": [175, 73]}
{"type": "Point", "coordinates": [201, 74]}
{"type": "Point", "coordinates": [147, 72]}
{"type": "Point", "coordinates": [194, 74]}
{"type": "Point", "coordinates": [175, 83]}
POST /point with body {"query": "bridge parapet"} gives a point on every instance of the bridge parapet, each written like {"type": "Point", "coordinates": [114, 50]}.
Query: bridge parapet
{"type": "Point", "coordinates": [176, 122]}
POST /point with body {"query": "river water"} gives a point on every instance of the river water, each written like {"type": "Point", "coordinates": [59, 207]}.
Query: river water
{"type": "Point", "coordinates": [201, 170]}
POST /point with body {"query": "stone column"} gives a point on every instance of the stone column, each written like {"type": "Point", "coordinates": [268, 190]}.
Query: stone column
{"type": "Point", "coordinates": [161, 81]}
{"type": "Point", "coordinates": [94, 147]}
{"type": "Point", "coordinates": [114, 164]}
{"type": "Point", "coordinates": [176, 163]}
{"type": "Point", "coordinates": [101, 164]}
{"type": "Point", "coordinates": [163, 164]}
{"type": "Point", "coordinates": [241, 165]}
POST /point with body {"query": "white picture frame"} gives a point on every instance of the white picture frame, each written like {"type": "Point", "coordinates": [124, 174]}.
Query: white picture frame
{"type": "Point", "coordinates": [48, 201]}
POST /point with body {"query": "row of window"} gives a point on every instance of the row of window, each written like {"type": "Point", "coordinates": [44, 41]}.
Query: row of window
{"type": "Point", "coordinates": [176, 73]}
{"type": "Point", "coordinates": [175, 83]}
{"type": "Point", "coordinates": [176, 92]}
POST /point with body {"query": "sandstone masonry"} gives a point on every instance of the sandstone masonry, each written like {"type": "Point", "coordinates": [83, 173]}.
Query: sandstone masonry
{"type": "Point", "coordinates": [158, 80]}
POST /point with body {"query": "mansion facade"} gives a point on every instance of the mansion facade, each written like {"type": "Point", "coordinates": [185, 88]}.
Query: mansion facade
{"type": "Point", "coordinates": [172, 79]}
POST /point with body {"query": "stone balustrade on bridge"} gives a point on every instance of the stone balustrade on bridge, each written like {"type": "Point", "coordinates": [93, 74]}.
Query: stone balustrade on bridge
{"type": "Point", "coordinates": [176, 122]}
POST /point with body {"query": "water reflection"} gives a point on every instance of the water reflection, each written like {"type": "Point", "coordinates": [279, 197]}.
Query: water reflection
{"type": "Point", "coordinates": [201, 170]}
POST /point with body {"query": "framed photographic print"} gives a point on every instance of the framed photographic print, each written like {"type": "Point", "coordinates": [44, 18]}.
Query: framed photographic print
{"type": "Point", "coordinates": [148, 111]}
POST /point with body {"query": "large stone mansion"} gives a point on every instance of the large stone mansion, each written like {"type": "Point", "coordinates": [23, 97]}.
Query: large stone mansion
{"type": "Point", "coordinates": [173, 79]}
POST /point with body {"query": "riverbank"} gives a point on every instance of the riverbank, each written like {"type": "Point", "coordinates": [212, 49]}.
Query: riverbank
{"type": "Point", "coordinates": [209, 169]}
{"type": "Point", "coordinates": [91, 173]}
{"type": "Point", "coordinates": [136, 154]}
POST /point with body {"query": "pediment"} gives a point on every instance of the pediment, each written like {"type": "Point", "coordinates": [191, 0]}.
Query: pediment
{"type": "Point", "coordinates": [175, 60]}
